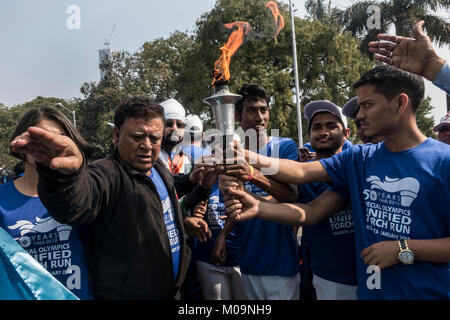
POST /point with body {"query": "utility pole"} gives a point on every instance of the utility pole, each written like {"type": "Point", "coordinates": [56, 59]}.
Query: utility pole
{"type": "Point", "coordinates": [297, 87]}
{"type": "Point", "coordinates": [72, 111]}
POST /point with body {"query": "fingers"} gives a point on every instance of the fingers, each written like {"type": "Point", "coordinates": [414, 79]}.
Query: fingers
{"type": "Point", "coordinates": [205, 228]}
{"type": "Point", "coordinates": [369, 257]}
{"type": "Point", "coordinates": [50, 149]}
{"type": "Point", "coordinates": [237, 193]}
{"type": "Point", "coordinates": [234, 208]}
{"type": "Point", "coordinates": [65, 165]}
{"type": "Point", "coordinates": [418, 30]}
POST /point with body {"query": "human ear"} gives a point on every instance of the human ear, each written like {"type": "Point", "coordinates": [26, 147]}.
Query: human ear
{"type": "Point", "coordinates": [116, 136]}
{"type": "Point", "coordinates": [402, 102]}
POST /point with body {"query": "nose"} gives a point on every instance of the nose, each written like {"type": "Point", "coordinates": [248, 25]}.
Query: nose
{"type": "Point", "coordinates": [146, 144]}
{"type": "Point", "coordinates": [174, 126]}
{"type": "Point", "coordinates": [360, 114]}
{"type": "Point", "coordinates": [259, 115]}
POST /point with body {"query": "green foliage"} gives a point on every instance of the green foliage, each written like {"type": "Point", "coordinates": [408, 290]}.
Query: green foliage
{"type": "Point", "coordinates": [402, 14]}
{"type": "Point", "coordinates": [181, 67]}
{"type": "Point", "coordinates": [9, 118]}
{"type": "Point", "coordinates": [424, 121]}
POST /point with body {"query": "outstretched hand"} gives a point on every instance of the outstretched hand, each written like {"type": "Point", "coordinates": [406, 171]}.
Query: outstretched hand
{"type": "Point", "coordinates": [55, 151]}
{"type": "Point", "coordinates": [415, 55]}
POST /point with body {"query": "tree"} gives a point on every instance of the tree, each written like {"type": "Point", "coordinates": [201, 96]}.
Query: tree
{"type": "Point", "coordinates": [400, 13]}
{"type": "Point", "coordinates": [9, 118]}
{"type": "Point", "coordinates": [152, 71]}
{"type": "Point", "coordinates": [329, 62]}
{"type": "Point", "coordinates": [425, 121]}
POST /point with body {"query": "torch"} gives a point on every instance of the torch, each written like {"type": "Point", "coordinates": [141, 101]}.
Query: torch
{"type": "Point", "coordinates": [223, 101]}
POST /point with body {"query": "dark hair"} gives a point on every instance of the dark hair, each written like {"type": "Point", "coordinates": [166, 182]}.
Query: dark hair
{"type": "Point", "coordinates": [252, 91]}
{"type": "Point", "coordinates": [138, 107]}
{"type": "Point", "coordinates": [35, 115]}
{"type": "Point", "coordinates": [391, 81]}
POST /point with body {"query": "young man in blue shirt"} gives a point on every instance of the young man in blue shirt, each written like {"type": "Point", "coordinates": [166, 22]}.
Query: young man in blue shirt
{"type": "Point", "coordinates": [268, 250]}
{"type": "Point", "coordinates": [332, 241]}
{"type": "Point", "coordinates": [399, 190]}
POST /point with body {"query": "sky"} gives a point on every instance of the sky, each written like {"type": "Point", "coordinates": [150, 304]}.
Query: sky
{"type": "Point", "coordinates": [48, 49]}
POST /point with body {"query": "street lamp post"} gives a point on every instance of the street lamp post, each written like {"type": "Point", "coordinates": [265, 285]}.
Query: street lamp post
{"type": "Point", "coordinates": [73, 113]}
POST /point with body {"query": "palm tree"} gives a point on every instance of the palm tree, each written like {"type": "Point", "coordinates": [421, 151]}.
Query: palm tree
{"type": "Point", "coordinates": [399, 13]}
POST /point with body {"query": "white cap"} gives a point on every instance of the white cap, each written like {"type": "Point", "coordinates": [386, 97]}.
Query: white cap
{"type": "Point", "coordinates": [173, 110]}
{"type": "Point", "coordinates": [193, 124]}
{"type": "Point", "coordinates": [445, 121]}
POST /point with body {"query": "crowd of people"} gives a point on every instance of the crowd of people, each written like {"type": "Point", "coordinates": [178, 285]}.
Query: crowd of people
{"type": "Point", "coordinates": [164, 217]}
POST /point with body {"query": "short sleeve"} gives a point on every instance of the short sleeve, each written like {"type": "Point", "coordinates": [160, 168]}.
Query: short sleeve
{"type": "Point", "coordinates": [336, 167]}
{"type": "Point", "coordinates": [288, 150]}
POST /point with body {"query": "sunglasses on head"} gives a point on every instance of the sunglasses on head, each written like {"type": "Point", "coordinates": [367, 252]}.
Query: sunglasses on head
{"type": "Point", "coordinates": [180, 124]}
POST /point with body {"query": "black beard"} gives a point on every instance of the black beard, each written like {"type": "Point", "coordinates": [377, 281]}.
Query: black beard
{"type": "Point", "coordinates": [326, 151]}
{"type": "Point", "coordinates": [168, 144]}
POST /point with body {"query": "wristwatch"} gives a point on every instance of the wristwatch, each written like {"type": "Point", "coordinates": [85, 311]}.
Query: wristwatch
{"type": "Point", "coordinates": [405, 255]}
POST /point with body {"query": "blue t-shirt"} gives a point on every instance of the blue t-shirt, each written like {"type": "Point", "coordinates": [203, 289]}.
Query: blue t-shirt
{"type": "Point", "coordinates": [269, 248]}
{"type": "Point", "coordinates": [332, 241]}
{"type": "Point", "coordinates": [214, 210]}
{"type": "Point", "coordinates": [397, 195]}
{"type": "Point", "coordinates": [169, 220]}
{"type": "Point", "coordinates": [194, 152]}
{"type": "Point", "coordinates": [57, 247]}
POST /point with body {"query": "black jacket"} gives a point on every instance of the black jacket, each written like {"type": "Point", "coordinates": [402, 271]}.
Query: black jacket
{"type": "Point", "coordinates": [128, 249]}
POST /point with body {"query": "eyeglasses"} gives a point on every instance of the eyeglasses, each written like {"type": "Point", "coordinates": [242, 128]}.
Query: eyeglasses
{"type": "Point", "coordinates": [180, 124]}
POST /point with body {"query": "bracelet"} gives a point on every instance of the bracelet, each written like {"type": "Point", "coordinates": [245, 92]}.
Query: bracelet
{"type": "Point", "coordinates": [250, 177]}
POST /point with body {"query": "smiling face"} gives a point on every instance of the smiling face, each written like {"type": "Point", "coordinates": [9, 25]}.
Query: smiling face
{"type": "Point", "coordinates": [327, 135]}
{"type": "Point", "coordinates": [138, 142]}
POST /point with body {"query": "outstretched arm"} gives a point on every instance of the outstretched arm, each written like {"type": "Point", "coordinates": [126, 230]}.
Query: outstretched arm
{"type": "Point", "coordinates": [288, 171]}
{"type": "Point", "coordinates": [245, 207]}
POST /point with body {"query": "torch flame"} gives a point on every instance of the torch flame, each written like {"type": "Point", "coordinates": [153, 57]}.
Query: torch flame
{"type": "Point", "coordinates": [272, 5]}
{"type": "Point", "coordinates": [235, 40]}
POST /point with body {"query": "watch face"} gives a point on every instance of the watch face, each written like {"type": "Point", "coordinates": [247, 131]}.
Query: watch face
{"type": "Point", "coordinates": [406, 256]}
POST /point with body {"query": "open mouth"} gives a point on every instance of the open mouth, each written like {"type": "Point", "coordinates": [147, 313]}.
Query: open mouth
{"type": "Point", "coordinates": [145, 158]}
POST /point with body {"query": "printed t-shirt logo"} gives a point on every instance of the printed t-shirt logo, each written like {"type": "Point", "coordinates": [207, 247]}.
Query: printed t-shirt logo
{"type": "Point", "coordinates": [387, 205]}
{"type": "Point", "coordinates": [42, 226]}
{"type": "Point", "coordinates": [408, 188]}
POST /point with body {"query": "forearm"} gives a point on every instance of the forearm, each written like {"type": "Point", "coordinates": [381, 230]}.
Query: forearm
{"type": "Point", "coordinates": [308, 214]}
{"type": "Point", "coordinates": [284, 213]}
{"type": "Point", "coordinates": [282, 192]}
{"type": "Point", "coordinates": [288, 171]}
{"type": "Point", "coordinates": [196, 195]}
{"type": "Point", "coordinates": [227, 228]}
{"type": "Point", "coordinates": [182, 184]}
{"type": "Point", "coordinates": [431, 250]}
{"type": "Point", "coordinates": [71, 199]}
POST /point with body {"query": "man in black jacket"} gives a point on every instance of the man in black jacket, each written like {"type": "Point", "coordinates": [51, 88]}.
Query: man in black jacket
{"type": "Point", "coordinates": [136, 243]}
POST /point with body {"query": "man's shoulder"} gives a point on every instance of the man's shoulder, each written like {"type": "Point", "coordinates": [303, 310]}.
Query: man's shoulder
{"type": "Point", "coordinates": [286, 147]}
